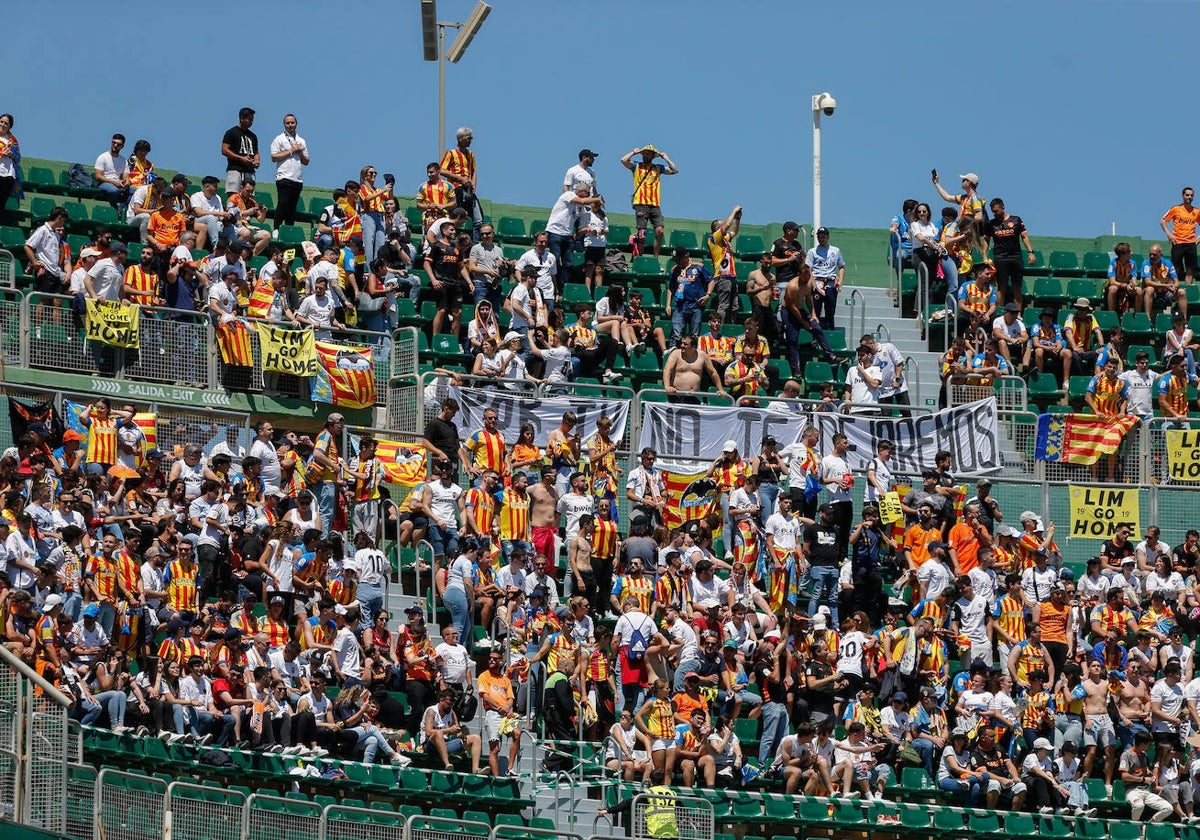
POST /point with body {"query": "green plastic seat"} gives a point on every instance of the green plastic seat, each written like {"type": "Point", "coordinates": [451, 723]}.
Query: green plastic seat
{"type": "Point", "coordinates": [512, 230]}
{"type": "Point", "coordinates": [1038, 267]}
{"type": "Point", "coordinates": [1124, 830]}
{"type": "Point", "coordinates": [42, 179]}
{"type": "Point", "coordinates": [685, 239]}
{"type": "Point", "coordinates": [1160, 831]}
{"type": "Point", "coordinates": [1095, 264]}
{"type": "Point", "coordinates": [292, 234]}
{"type": "Point", "coordinates": [749, 246]}
{"type": "Point", "coordinates": [1019, 824]}
{"type": "Point", "coordinates": [12, 239]}
{"type": "Point", "coordinates": [1065, 264]}
{"type": "Point", "coordinates": [646, 266]}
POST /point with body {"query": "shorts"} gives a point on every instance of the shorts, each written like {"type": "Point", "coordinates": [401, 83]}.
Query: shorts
{"type": "Point", "coordinates": [1183, 257]}
{"type": "Point", "coordinates": [49, 283]}
{"type": "Point", "coordinates": [491, 726]}
{"type": "Point", "coordinates": [594, 254]}
{"type": "Point", "coordinates": [1100, 734]}
{"type": "Point", "coordinates": [450, 296]}
{"type": "Point", "coordinates": [661, 744]}
{"type": "Point", "coordinates": [418, 522]}
{"type": "Point", "coordinates": [1164, 300]}
{"type": "Point", "coordinates": [543, 542]}
{"type": "Point", "coordinates": [850, 692]}
{"type": "Point", "coordinates": [454, 745]}
{"type": "Point", "coordinates": [648, 215]}
{"type": "Point", "coordinates": [234, 179]}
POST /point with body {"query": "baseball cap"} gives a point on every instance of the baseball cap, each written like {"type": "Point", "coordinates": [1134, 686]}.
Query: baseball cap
{"type": "Point", "coordinates": [1042, 744]}
{"type": "Point", "coordinates": [587, 153]}
{"type": "Point", "coordinates": [175, 625]}
{"type": "Point", "coordinates": [91, 611]}
{"type": "Point", "coordinates": [899, 697]}
{"type": "Point", "coordinates": [277, 600]}
{"type": "Point", "coordinates": [89, 252]}
{"type": "Point", "coordinates": [679, 253]}
{"type": "Point", "coordinates": [772, 634]}
{"type": "Point", "coordinates": [414, 610]}
{"type": "Point", "coordinates": [983, 482]}
{"type": "Point", "coordinates": [340, 609]}
{"type": "Point", "coordinates": [335, 417]}
{"type": "Point", "coordinates": [691, 675]}
{"type": "Point", "coordinates": [356, 240]}
{"type": "Point", "coordinates": [730, 446]}
{"type": "Point", "coordinates": [38, 428]}
{"type": "Point", "coordinates": [512, 335]}
{"type": "Point", "coordinates": [1011, 307]}
{"type": "Point", "coordinates": [51, 602]}
{"type": "Point", "coordinates": [118, 247]}
{"type": "Point", "coordinates": [822, 230]}
{"type": "Point", "coordinates": [155, 453]}
{"type": "Point", "coordinates": [970, 176]}
{"type": "Point", "coordinates": [230, 269]}
{"type": "Point", "coordinates": [180, 178]}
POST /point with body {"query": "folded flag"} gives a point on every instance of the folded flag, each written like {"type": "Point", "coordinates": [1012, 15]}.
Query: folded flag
{"type": "Point", "coordinates": [403, 463]}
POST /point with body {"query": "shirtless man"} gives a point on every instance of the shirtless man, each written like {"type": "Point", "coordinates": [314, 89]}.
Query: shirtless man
{"type": "Point", "coordinates": [685, 371]}
{"type": "Point", "coordinates": [797, 316]}
{"type": "Point", "coordinates": [1133, 703]}
{"type": "Point", "coordinates": [579, 558]}
{"type": "Point", "coordinates": [759, 284]}
{"type": "Point", "coordinates": [543, 514]}
{"type": "Point", "coordinates": [1098, 726]}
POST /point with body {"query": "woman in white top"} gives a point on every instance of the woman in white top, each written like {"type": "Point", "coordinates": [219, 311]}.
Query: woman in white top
{"type": "Point", "coordinates": [610, 317]}
{"type": "Point", "coordinates": [483, 326]}
{"type": "Point", "coordinates": [1165, 580]}
{"type": "Point", "coordinates": [489, 362]}
{"type": "Point", "coordinates": [593, 224]}
{"type": "Point", "coordinates": [10, 156]}
{"type": "Point", "coordinates": [926, 248]}
{"type": "Point", "coordinates": [459, 595]}
{"type": "Point", "coordinates": [191, 469]}
{"type": "Point", "coordinates": [277, 563]}
{"type": "Point", "coordinates": [726, 750]}
{"type": "Point", "coordinates": [954, 772]}
{"type": "Point", "coordinates": [514, 366]}
{"type": "Point", "coordinates": [303, 517]}
{"type": "Point", "coordinates": [633, 746]}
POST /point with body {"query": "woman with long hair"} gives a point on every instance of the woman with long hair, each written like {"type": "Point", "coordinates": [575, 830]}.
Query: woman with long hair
{"type": "Point", "coordinates": [656, 718]}
{"type": "Point", "coordinates": [371, 214]}
{"type": "Point", "coordinates": [10, 156]}
{"type": "Point", "coordinates": [483, 326]}
{"type": "Point", "coordinates": [489, 363]}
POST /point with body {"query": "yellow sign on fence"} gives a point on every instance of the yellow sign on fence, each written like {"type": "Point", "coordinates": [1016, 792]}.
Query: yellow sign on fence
{"type": "Point", "coordinates": [1097, 511]}
{"type": "Point", "coordinates": [1183, 454]}
{"type": "Point", "coordinates": [112, 323]}
{"type": "Point", "coordinates": [890, 509]}
{"type": "Point", "coordinates": [287, 351]}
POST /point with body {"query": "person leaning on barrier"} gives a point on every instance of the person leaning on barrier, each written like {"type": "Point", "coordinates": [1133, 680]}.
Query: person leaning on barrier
{"type": "Point", "coordinates": [660, 811]}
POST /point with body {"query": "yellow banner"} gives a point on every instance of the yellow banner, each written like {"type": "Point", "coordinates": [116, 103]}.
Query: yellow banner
{"type": "Point", "coordinates": [113, 323]}
{"type": "Point", "coordinates": [287, 351]}
{"type": "Point", "coordinates": [1097, 511]}
{"type": "Point", "coordinates": [1183, 455]}
{"type": "Point", "coordinates": [889, 508]}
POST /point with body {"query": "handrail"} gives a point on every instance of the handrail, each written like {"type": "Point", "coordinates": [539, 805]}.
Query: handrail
{"type": "Point", "coordinates": [913, 381]}
{"type": "Point", "coordinates": [861, 310]}
{"type": "Point", "coordinates": [922, 298]}
{"type": "Point", "coordinates": [12, 660]}
{"type": "Point", "coordinates": [883, 328]}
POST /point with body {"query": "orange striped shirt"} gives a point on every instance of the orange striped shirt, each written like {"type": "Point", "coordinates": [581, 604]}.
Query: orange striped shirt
{"type": "Point", "coordinates": [481, 507]}
{"type": "Point", "coordinates": [102, 441]}
{"type": "Point", "coordinates": [718, 347]}
{"type": "Point", "coordinates": [369, 205]}
{"type": "Point", "coordinates": [439, 193]}
{"type": "Point", "coordinates": [646, 181]}
{"type": "Point", "coordinates": [661, 720]}
{"type": "Point", "coordinates": [342, 592]}
{"type": "Point", "coordinates": [140, 279]}
{"type": "Point", "coordinates": [128, 569]}
{"type": "Point", "coordinates": [181, 586]}
{"type": "Point", "coordinates": [1010, 615]}
{"type": "Point", "coordinates": [459, 163]}
{"type": "Point", "coordinates": [277, 631]}
{"type": "Point", "coordinates": [514, 516]}
{"type": "Point", "coordinates": [641, 588]}
{"type": "Point", "coordinates": [488, 449]}
{"type": "Point", "coordinates": [104, 571]}
{"type": "Point", "coordinates": [731, 476]}
{"type": "Point", "coordinates": [604, 539]}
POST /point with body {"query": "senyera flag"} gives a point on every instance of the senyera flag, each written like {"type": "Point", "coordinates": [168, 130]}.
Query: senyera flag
{"type": "Point", "coordinates": [403, 463]}
{"type": "Point", "coordinates": [690, 496]}
{"type": "Point", "coordinates": [350, 373]}
{"type": "Point", "coordinates": [233, 337]}
{"type": "Point", "coordinates": [1088, 437]}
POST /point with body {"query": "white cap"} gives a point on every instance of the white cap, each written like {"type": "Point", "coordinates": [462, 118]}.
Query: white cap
{"type": "Point", "coordinates": [819, 622]}
{"type": "Point", "coordinates": [512, 335]}
{"type": "Point", "coordinates": [709, 603]}
{"type": "Point", "coordinates": [1030, 516]}
{"type": "Point", "coordinates": [90, 252]}
{"type": "Point", "coordinates": [1042, 744]}
{"type": "Point", "coordinates": [730, 446]}
{"type": "Point", "coordinates": [51, 602]}
{"type": "Point", "coordinates": [773, 634]}
{"type": "Point", "coordinates": [339, 609]}
{"type": "Point", "coordinates": [970, 176]}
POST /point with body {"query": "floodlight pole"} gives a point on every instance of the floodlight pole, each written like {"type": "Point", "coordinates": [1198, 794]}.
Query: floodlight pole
{"type": "Point", "coordinates": [442, 26]}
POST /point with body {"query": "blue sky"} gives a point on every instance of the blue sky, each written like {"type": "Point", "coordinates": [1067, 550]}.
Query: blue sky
{"type": "Point", "coordinates": [1067, 110]}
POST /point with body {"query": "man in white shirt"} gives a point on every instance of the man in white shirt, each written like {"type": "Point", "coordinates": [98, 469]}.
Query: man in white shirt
{"type": "Point", "coordinates": [44, 251]}
{"type": "Point", "coordinates": [582, 175]}
{"type": "Point", "coordinates": [212, 219]}
{"type": "Point", "coordinates": [893, 390]}
{"type": "Point", "coordinates": [222, 300]}
{"type": "Point", "coordinates": [1010, 333]}
{"type": "Point", "coordinates": [539, 577]}
{"type": "Point", "coordinates": [837, 479]}
{"type": "Point", "coordinates": [347, 659]}
{"type": "Point", "coordinates": [645, 490]}
{"type": "Point", "coordinates": [539, 257]}
{"type": "Point", "coordinates": [77, 285]}
{"type": "Point", "coordinates": [443, 501]}
{"type": "Point", "coordinates": [574, 505]}
{"type": "Point", "coordinates": [455, 661]}
{"type": "Point", "coordinates": [970, 617]}
{"type": "Point", "coordinates": [862, 383]}
{"type": "Point", "coordinates": [195, 696]}
{"type": "Point", "coordinates": [112, 173]}
{"type": "Point", "coordinates": [1139, 387]}
{"type": "Point", "coordinates": [209, 517]}
{"type": "Point", "coordinates": [560, 227]}
{"type": "Point", "coordinates": [525, 300]}
{"type": "Point", "coordinates": [263, 448]}
{"type": "Point", "coordinates": [289, 153]}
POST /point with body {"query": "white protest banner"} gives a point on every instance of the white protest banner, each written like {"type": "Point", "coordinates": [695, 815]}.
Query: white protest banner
{"type": "Point", "coordinates": [545, 414]}
{"type": "Point", "coordinates": [698, 432]}
{"type": "Point", "coordinates": [968, 432]}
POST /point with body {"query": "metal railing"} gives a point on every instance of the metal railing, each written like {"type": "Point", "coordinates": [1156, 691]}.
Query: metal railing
{"type": "Point", "coordinates": [912, 377]}
{"type": "Point", "coordinates": [858, 301]}
{"type": "Point", "coordinates": [1010, 391]}
{"type": "Point", "coordinates": [8, 269]}
{"type": "Point", "coordinates": [693, 817]}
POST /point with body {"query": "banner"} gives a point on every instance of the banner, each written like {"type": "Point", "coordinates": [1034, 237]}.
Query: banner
{"type": "Point", "coordinates": [1183, 455]}
{"type": "Point", "coordinates": [690, 496]}
{"type": "Point", "coordinates": [545, 414]}
{"type": "Point", "coordinates": [1097, 511]}
{"type": "Point", "coordinates": [113, 323]}
{"type": "Point", "coordinates": [890, 509]}
{"type": "Point", "coordinates": [148, 422]}
{"type": "Point", "coordinates": [345, 375]}
{"type": "Point", "coordinates": [287, 350]}
{"type": "Point", "coordinates": [1079, 438]}
{"type": "Point", "coordinates": [21, 414]}
{"type": "Point", "coordinates": [403, 463]}
{"type": "Point", "coordinates": [260, 300]}
{"type": "Point", "coordinates": [233, 337]}
{"type": "Point", "coordinates": [698, 432]}
{"type": "Point", "coordinates": [968, 432]}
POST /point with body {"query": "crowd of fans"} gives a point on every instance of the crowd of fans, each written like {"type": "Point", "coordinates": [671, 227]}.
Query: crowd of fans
{"type": "Point", "coordinates": [220, 599]}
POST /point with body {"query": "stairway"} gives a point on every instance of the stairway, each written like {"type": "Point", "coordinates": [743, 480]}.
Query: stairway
{"type": "Point", "coordinates": [882, 318]}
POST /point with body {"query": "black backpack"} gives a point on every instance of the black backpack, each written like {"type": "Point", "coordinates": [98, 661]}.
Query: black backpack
{"type": "Point", "coordinates": [79, 176]}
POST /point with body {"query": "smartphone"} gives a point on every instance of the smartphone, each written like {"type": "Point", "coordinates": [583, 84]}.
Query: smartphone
{"type": "Point", "coordinates": [933, 172]}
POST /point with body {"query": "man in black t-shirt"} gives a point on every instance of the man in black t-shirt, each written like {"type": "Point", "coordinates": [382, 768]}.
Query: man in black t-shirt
{"type": "Point", "coordinates": [441, 433]}
{"type": "Point", "coordinates": [444, 266]}
{"type": "Point", "coordinates": [240, 148]}
{"type": "Point", "coordinates": [1007, 232]}
{"type": "Point", "coordinates": [821, 547]}
{"type": "Point", "coordinates": [787, 255]}
{"type": "Point", "coordinates": [1186, 556]}
{"type": "Point", "coordinates": [770, 670]}
{"type": "Point", "coordinates": [1114, 550]}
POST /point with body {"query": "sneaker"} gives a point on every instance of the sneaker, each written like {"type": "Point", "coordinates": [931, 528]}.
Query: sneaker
{"type": "Point", "coordinates": [401, 761]}
{"type": "Point", "coordinates": [295, 750]}
{"type": "Point", "coordinates": [203, 740]}
{"type": "Point", "coordinates": [276, 748]}
{"type": "Point", "coordinates": [1046, 810]}
{"type": "Point", "coordinates": [169, 737]}
{"type": "Point", "coordinates": [1108, 791]}
{"type": "Point", "coordinates": [512, 774]}
{"type": "Point", "coordinates": [317, 752]}
{"type": "Point", "coordinates": [142, 732]}
{"type": "Point", "coordinates": [640, 347]}
{"type": "Point", "coordinates": [177, 737]}
{"type": "Point", "coordinates": [611, 377]}
{"type": "Point", "coordinates": [854, 794]}
{"type": "Point", "coordinates": [120, 729]}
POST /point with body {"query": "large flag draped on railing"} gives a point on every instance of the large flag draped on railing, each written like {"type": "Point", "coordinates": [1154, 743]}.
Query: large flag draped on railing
{"type": "Point", "coordinates": [345, 375]}
{"type": "Point", "coordinates": [403, 463]}
{"type": "Point", "coordinates": [112, 322]}
{"type": "Point", "coordinates": [233, 337]}
{"type": "Point", "coordinates": [1079, 438]}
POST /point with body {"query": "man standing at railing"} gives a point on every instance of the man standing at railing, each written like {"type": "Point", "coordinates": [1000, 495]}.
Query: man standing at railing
{"type": "Point", "coordinates": [829, 271]}
{"type": "Point", "coordinates": [893, 387]}
{"type": "Point", "coordinates": [325, 470]}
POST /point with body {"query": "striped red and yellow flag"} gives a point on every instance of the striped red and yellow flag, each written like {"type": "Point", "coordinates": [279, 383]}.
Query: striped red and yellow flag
{"type": "Point", "coordinates": [233, 337]}
{"type": "Point", "coordinates": [260, 300]}
{"type": "Point", "coordinates": [147, 421]}
{"type": "Point", "coordinates": [403, 463]}
{"type": "Point", "coordinates": [351, 372]}
{"type": "Point", "coordinates": [690, 496]}
{"type": "Point", "coordinates": [1087, 437]}
{"type": "Point", "coordinates": [899, 526]}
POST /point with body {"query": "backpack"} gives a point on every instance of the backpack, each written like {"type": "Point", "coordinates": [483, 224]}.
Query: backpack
{"type": "Point", "coordinates": [466, 705]}
{"type": "Point", "coordinates": [79, 176]}
{"type": "Point", "coordinates": [637, 645]}
{"type": "Point", "coordinates": [615, 262]}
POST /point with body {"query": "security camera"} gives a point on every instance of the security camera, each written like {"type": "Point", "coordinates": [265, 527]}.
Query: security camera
{"type": "Point", "coordinates": [825, 103]}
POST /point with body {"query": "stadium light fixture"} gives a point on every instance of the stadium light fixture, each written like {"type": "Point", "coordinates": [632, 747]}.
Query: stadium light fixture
{"type": "Point", "coordinates": [433, 37]}
{"type": "Point", "coordinates": [822, 103]}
